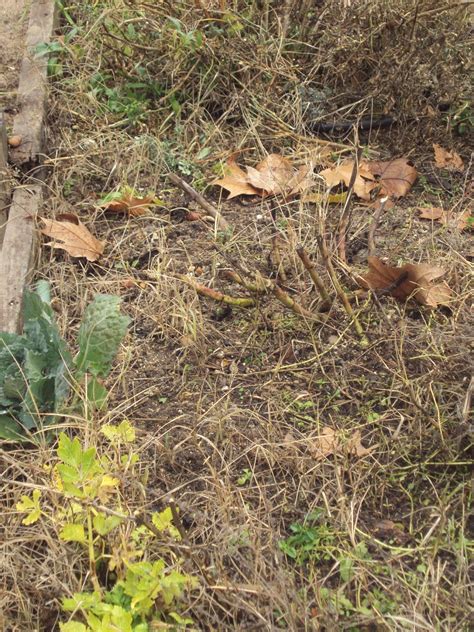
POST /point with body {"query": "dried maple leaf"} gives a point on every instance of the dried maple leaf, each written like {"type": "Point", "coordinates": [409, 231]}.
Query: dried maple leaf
{"type": "Point", "coordinates": [235, 181]}
{"type": "Point", "coordinates": [396, 176]}
{"type": "Point", "coordinates": [364, 182]}
{"type": "Point", "coordinates": [127, 201]}
{"type": "Point", "coordinates": [449, 160]}
{"type": "Point", "coordinates": [71, 235]}
{"type": "Point", "coordinates": [408, 281]}
{"type": "Point", "coordinates": [446, 217]}
{"type": "Point", "coordinates": [330, 442]}
{"type": "Point", "coordinates": [274, 175]}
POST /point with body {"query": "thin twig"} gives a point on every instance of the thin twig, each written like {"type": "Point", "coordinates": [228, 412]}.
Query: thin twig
{"type": "Point", "coordinates": [373, 226]}
{"type": "Point", "coordinates": [197, 197]}
{"type": "Point", "coordinates": [311, 268]}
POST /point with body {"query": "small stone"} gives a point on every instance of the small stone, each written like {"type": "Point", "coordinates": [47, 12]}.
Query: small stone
{"type": "Point", "coordinates": [15, 141]}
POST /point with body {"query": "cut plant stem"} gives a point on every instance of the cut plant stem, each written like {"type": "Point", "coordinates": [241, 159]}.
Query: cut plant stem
{"type": "Point", "coordinates": [203, 203]}
{"type": "Point", "coordinates": [287, 301]}
{"type": "Point", "coordinates": [340, 291]}
{"type": "Point", "coordinates": [311, 268]}
{"type": "Point", "coordinates": [344, 224]}
{"type": "Point", "coordinates": [203, 290]}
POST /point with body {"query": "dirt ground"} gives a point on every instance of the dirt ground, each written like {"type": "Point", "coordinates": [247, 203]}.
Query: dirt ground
{"type": "Point", "coordinates": [230, 404]}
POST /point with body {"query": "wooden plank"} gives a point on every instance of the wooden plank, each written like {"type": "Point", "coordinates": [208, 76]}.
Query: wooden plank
{"type": "Point", "coordinates": [18, 254]}
{"type": "Point", "coordinates": [5, 191]}
{"type": "Point", "coordinates": [32, 87]}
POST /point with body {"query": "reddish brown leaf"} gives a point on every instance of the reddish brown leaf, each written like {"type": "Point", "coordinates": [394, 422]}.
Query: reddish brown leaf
{"type": "Point", "coordinates": [364, 182]}
{"type": "Point", "coordinates": [235, 181]}
{"type": "Point", "coordinates": [408, 281]}
{"type": "Point", "coordinates": [396, 176]}
{"type": "Point", "coordinates": [71, 235]}
{"type": "Point", "coordinates": [449, 160]}
{"type": "Point", "coordinates": [460, 221]}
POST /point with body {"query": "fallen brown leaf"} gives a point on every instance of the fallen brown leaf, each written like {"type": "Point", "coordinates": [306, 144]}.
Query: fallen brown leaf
{"type": "Point", "coordinates": [449, 160]}
{"type": "Point", "coordinates": [364, 182]}
{"type": "Point", "coordinates": [274, 175]}
{"type": "Point", "coordinates": [408, 281]}
{"type": "Point", "coordinates": [396, 176]}
{"type": "Point", "coordinates": [235, 181]}
{"type": "Point", "coordinates": [331, 442]}
{"type": "Point", "coordinates": [71, 235]}
{"type": "Point", "coordinates": [446, 217]}
{"type": "Point", "coordinates": [130, 203]}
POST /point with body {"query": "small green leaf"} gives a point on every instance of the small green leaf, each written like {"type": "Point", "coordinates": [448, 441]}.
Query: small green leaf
{"type": "Point", "coordinates": [73, 533]}
{"type": "Point", "coordinates": [346, 569]}
{"type": "Point", "coordinates": [163, 521]}
{"type": "Point", "coordinates": [31, 507]}
{"type": "Point", "coordinates": [105, 524]}
{"type": "Point", "coordinates": [123, 432]}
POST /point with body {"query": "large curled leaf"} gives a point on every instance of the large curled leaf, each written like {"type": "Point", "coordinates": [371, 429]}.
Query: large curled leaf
{"type": "Point", "coordinates": [100, 335]}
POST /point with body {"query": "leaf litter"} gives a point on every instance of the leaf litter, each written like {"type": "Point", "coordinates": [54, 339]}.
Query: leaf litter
{"type": "Point", "coordinates": [331, 442]}
{"type": "Point", "coordinates": [129, 202]}
{"type": "Point", "coordinates": [449, 160]}
{"type": "Point", "coordinates": [274, 175]}
{"type": "Point", "coordinates": [408, 281]}
{"type": "Point", "coordinates": [447, 218]}
{"type": "Point", "coordinates": [70, 234]}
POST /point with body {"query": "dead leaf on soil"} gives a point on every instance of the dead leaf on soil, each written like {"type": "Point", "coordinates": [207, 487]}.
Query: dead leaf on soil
{"type": "Point", "coordinates": [447, 218]}
{"type": "Point", "coordinates": [275, 175]}
{"type": "Point", "coordinates": [331, 442]}
{"type": "Point", "coordinates": [364, 182]}
{"type": "Point", "coordinates": [409, 281]}
{"type": "Point", "coordinates": [449, 160]}
{"type": "Point", "coordinates": [127, 201]}
{"type": "Point", "coordinates": [71, 235]}
{"type": "Point", "coordinates": [235, 181]}
{"type": "Point", "coordinates": [396, 176]}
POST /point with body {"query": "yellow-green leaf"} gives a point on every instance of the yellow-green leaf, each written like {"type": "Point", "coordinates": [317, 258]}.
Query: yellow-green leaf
{"type": "Point", "coordinates": [73, 533]}
{"type": "Point", "coordinates": [31, 507]}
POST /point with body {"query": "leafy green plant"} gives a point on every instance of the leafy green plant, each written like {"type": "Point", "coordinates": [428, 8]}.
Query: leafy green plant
{"type": "Point", "coordinates": [311, 540]}
{"type": "Point", "coordinates": [89, 516]}
{"type": "Point", "coordinates": [37, 368]}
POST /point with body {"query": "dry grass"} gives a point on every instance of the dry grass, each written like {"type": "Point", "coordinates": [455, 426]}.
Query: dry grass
{"type": "Point", "coordinates": [229, 406]}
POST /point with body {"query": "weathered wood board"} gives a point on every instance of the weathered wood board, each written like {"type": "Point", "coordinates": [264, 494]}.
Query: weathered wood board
{"type": "Point", "coordinates": [32, 86]}
{"type": "Point", "coordinates": [4, 180]}
{"type": "Point", "coordinates": [18, 253]}
{"type": "Point", "coordinates": [17, 250]}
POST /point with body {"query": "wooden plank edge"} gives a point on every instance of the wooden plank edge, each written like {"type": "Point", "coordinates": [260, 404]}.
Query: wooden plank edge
{"type": "Point", "coordinates": [32, 87]}
{"type": "Point", "coordinates": [5, 192]}
{"type": "Point", "coordinates": [17, 257]}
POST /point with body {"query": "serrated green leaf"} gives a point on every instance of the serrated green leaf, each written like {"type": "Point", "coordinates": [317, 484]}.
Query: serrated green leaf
{"type": "Point", "coordinates": [73, 533]}
{"type": "Point", "coordinates": [105, 524]}
{"type": "Point", "coordinates": [100, 335]}
{"type": "Point", "coordinates": [31, 506]}
{"type": "Point", "coordinates": [123, 432]}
